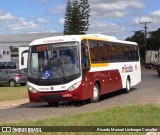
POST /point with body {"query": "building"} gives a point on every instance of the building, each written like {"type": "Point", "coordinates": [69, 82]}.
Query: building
{"type": "Point", "coordinates": [16, 40]}
{"type": "Point", "coordinates": [9, 44]}
{"type": "Point", "coordinates": [5, 54]}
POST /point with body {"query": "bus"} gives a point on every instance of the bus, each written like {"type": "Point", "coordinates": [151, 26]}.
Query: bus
{"type": "Point", "coordinates": [80, 67]}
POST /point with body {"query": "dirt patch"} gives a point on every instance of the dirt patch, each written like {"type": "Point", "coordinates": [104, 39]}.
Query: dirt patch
{"type": "Point", "coordinates": [13, 103]}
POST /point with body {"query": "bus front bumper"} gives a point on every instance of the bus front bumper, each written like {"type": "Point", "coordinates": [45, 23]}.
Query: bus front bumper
{"type": "Point", "coordinates": [64, 96]}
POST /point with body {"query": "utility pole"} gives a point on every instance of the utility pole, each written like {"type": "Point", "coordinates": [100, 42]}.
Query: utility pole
{"type": "Point", "coordinates": [145, 37]}
{"type": "Point", "coordinates": [145, 33]}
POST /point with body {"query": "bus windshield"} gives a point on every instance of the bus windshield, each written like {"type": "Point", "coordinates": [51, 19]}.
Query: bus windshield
{"type": "Point", "coordinates": [54, 61]}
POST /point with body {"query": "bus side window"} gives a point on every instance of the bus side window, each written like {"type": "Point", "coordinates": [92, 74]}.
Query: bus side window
{"type": "Point", "coordinates": [119, 52]}
{"type": "Point", "coordinates": [103, 52]}
{"type": "Point", "coordinates": [111, 52]}
{"type": "Point", "coordinates": [93, 46]}
{"type": "Point", "coordinates": [126, 53]}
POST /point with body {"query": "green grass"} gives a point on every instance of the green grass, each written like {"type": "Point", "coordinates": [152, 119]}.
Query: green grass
{"type": "Point", "coordinates": [137, 115]}
{"type": "Point", "coordinates": [13, 93]}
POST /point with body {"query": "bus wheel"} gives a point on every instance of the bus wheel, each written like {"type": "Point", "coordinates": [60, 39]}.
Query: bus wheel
{"type": "Point", "coordinates": [128, 85]}
{"type": "Point", "coordinates": [96, 94]}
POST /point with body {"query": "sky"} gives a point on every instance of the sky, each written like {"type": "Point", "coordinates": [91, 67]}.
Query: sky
{"type": "Point", "coordinates": [119, 18]}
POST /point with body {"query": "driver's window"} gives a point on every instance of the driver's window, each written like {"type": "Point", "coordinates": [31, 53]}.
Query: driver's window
{"type": "Point", "coordinates": [84, 57]}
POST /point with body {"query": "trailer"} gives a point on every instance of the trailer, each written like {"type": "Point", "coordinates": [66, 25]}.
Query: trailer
{"type": "Point", "coordinates": [151, 60]}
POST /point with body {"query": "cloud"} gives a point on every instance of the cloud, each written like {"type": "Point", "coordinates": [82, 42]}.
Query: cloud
{"type": "Point", "coordinates": [42, 20]}
{"type": "Point", "coordinates": [114, 8]}
{"type": "Point", "coordinates": [61, 21]}
{"type": "Point", "coordinates": [100, 27]}
{"type": "Point", "coordinates": [44, 1]}
{"type": "Point", "coordinates": [117, 4]}
{"type": "Point", "coordinates": [107, 16]}
{"type": "Point", "coordinates": [155, 13]}
{"type": "Point", "coordinates": [6, 16]}
{"type": "Point", "coordinates": [113, 14]}
{"type": "Point", "coordinates": [113, 17]}
{"type": "Point", "coordinates": [13, 24]}
{"type": "Point", "coordinates": [141, 19]}
{"type": "Point", "coordinates": [22, 25]}
{"type": "Point", "coordinates": [152, 18]}
{"type": "Point", "coordinates": [110, 17]}
{"type": "Point", "coordinates": [58, 10]}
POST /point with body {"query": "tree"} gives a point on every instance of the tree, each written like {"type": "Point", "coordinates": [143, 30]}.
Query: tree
{"type": "Point", "coordinates": [85, 10]}
{"type": "Point", "coordinates": [67, 23]}
{"type": "Point", "coordinates": [154, 40]}
{"type": "Point", "coordinates": [75, 22]}
{"type": "Point", "coordinates": [138, 37]}
{"type": "Point", "coordinates": [76, 17]}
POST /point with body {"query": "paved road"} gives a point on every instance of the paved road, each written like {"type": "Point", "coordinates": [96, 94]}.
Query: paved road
{"type": "Point", "coordinates": [148, 91]}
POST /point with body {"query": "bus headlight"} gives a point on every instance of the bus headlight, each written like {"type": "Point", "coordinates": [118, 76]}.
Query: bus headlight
{"type": "Point", "coordinates": [74, 86]}
{"type": "Point", "coordinates": [32, 89]}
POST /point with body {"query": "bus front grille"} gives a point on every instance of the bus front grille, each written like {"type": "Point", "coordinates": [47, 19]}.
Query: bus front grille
{"type": "Point", "coordinates": [51, 97]}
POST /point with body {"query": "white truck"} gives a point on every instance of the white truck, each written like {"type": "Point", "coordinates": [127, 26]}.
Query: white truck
{"type": "Point", "coordinates": [151, 59]}
{"type": "Point", "coordinates": [25, 55]}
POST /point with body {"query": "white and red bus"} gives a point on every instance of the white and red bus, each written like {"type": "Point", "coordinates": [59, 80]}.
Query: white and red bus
{"type": "Point", "coordinates": [80, 67]}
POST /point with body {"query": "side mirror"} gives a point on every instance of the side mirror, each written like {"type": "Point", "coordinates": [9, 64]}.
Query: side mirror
{"type": "Point", "coordinates": [22, 57]}
{"type": "Point", "coordinates": [22, 60]}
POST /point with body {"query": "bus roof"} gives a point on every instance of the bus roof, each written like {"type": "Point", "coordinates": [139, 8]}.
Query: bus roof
{"type": "Point", "coordinates": [111, 39]}
{"type": "Point", "coordinates": [67, 38]}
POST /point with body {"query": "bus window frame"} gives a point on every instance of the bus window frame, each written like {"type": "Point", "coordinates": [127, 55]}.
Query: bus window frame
{"type": "Point", "coordinates": [114, 45]}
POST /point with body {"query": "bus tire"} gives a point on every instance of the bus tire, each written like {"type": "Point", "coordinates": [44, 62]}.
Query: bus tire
{"type": "Point", "coordinates": [128, 86]}
{"type": "Point", "coordinates": [96, 94]}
